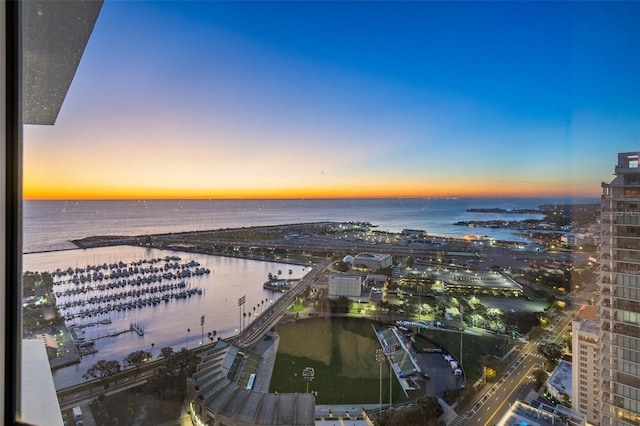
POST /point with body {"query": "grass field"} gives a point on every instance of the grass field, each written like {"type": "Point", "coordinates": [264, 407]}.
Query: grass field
{"type": "Point", "coordinates": [342, 353]}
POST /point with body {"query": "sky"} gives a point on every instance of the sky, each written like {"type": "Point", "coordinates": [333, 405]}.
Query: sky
{"type": "Point", "coordinates": [303, 99]}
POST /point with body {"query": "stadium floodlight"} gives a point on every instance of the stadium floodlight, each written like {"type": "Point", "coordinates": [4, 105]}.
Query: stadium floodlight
{"type": "Point", "coordinates": [308, 374]}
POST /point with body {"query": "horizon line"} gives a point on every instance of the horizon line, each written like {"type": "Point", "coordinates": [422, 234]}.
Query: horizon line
{"type": "Point", "coordinates": [382, 197]}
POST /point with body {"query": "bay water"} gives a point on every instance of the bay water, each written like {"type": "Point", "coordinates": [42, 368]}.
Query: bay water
{"type": "Point", "coordinates": [49, 227]}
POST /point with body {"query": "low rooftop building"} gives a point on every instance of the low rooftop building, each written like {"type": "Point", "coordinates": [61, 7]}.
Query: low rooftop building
{"type": "Point", "coordinates": [345, 285]}
{"type": "Point", "coordinates": [538, 414]}
{"type": "Point", "coordinates": [373, 260]}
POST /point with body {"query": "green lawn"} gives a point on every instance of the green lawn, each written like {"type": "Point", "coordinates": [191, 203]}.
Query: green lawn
{"type": "Point", "coordinates": [342, 353]}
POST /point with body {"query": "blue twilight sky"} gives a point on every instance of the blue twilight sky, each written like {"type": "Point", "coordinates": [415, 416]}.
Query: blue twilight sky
{"type": "Point", "coordinates": [331, 98]}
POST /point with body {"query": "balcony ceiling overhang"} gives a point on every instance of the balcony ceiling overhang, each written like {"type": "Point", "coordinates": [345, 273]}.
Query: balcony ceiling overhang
{"type": "Point", "coordinates": [55, 34]}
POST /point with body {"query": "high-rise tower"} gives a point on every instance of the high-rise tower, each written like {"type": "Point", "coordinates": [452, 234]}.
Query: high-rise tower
{"type": "Point", "coordinates": [619, 302]}
{"type": "Point", "coordinates": [585, 350]}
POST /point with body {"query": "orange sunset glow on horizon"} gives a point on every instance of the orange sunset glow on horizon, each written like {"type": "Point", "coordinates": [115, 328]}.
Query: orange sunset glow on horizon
{"type": "Point", "coordinates": [251, 100]}
{"type": "Point", "coordinates": [484, 189]}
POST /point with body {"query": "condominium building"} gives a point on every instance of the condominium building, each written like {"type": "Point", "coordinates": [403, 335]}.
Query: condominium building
{"type": "Point", "coordinates": [584, 377]}
{"type": "Point", "coordinates": [619, 302]}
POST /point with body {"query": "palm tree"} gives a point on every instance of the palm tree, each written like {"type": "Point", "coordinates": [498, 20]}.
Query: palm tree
{"type": "Point", "coordinates": [290, 272]}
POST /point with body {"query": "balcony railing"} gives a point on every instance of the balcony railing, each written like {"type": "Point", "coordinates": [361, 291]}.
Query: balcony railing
{"type": "Point", "coordinates": [626, 169]}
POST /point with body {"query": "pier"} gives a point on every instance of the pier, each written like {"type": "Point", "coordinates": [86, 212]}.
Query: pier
{"type": "Point", "coordinates": [136, 328]}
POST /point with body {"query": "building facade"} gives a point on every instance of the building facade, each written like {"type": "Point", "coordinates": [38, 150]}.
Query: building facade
{"type": "Point", "coordinates": [373, 260]}
{"type": "Point", "coordinates": [584, 377]}
{"type": "Point", "coordinates": [345, 285]}
{"type": "Point", "coordinates": [619, 301]}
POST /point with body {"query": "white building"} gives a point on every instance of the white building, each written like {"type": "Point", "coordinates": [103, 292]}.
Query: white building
{"type": "Point", "coordinates": [559, 383]}
{"type": "Point", "coordinates": [345, 285]}
{"type": "Point", "coordinates": [373, 260]}
{"type": "Point", "coordinates": [39, 401]}
{"type": "Point", "coordinates": [619, 301]}
{"type": "Point", "coordinates": [584, 377]}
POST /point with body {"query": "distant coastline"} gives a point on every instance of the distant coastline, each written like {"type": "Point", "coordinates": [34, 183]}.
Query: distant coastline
{"type": "Point", "coordinates": [52, 225]}
{"type": "Point", "coordinates": [506, 211]}
{"type": "Point", "coordinates": [557, 217]}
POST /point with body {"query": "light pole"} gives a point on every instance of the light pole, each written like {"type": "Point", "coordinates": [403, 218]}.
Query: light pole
{"type": "Point", "coordinates": [202, 332]}
{"type": "Point", "coordinates": [240, 304]}
{"type": "Point", "coordinates": [380, 356]}
{"type": "Point", "coordinates": [461, 331]}
{"type": "Point", "coordinates": [308, 373]}
{"type": "Point", "coordinates": [391, 355]}
{"type": "Point", "coordinates": [419, 307]}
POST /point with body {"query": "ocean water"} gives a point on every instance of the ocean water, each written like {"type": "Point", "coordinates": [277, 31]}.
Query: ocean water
{"type": "Point", "coordinates": [49, 226]}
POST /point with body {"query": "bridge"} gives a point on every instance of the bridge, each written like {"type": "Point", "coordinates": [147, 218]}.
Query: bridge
{"type": "Point", "coordinates": [254, 331]}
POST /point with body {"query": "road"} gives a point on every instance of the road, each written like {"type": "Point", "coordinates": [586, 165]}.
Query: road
{"type": "Point", "coordinates": [517, 381]}
{"type": "Point", "coordinates": [255, 330]}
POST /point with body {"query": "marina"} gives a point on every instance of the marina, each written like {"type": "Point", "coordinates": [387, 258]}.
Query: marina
{"type": "Point", "coordinates": [98, 290]}
{"type": "Point", "coordinates": [174, 323]}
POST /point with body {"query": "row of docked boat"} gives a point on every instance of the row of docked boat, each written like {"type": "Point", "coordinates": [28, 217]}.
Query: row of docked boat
{"type": "Point", "coordinates": [124, 270]}
{"type": "Point", "coordinates": [111, 297]}
{"type": "Point", "coordinates": [87, 289]}
{"type": "Point", "coordinates": [125, 306]}
{"type": "Point", "coordinates": [119, 265]}
{"type": "Point", "coordinates": [147, 275]}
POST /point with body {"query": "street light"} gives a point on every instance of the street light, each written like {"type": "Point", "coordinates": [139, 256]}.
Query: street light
{"type": "Point", "coordinates": [391, 355]}
{"type": "Point", "coordinates": [380, 356]}
{"type": "Point", "coordinates": [308, 373]}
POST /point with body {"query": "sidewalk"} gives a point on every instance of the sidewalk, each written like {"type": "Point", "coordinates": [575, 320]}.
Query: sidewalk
{"type": "Point", "coordinates": [448, 414]}
{"type": "Point", "coordinates": [268, 350]}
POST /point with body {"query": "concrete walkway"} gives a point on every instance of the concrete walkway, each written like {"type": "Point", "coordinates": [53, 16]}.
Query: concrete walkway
{"type": "Point", "coordinates": [268, 350]}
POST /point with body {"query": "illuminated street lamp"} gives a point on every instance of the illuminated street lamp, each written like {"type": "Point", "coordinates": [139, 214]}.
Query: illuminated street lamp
{"type": "Point", "coordinates": [308, 373]}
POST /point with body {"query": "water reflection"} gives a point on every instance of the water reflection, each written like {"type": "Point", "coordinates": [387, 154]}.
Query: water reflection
{"type": "Point", "coordinates": [176, 323]}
